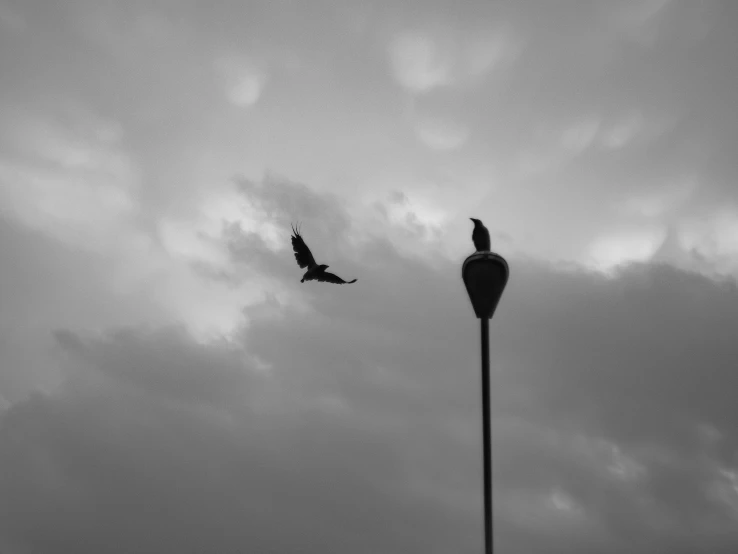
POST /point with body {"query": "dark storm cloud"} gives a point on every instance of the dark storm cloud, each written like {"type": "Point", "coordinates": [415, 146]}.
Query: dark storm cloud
{"type": "Point", "coordinates": [640, 359]}
{"type": "Point", "coordinates": [141, 473]}
{"type": "Point", "coordinates": [166, 364]}
{"type": "Point", "coordinates": [363, 433]}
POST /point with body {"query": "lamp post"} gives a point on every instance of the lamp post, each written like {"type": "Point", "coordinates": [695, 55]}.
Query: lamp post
{"type": "Point", "coordinates": [485, 275]}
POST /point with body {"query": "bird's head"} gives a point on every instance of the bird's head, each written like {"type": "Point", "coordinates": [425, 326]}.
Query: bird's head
{"type": "Point", "coordinates": [476, 221]}
{"type": "Point", "coordinates": [323, 267]}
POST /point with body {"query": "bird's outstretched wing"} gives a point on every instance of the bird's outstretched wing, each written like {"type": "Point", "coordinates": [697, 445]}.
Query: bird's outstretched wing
{"type": "Point", "coordinates": [326, 277]}
{"type": "Point", "coordinates": [302, 253]}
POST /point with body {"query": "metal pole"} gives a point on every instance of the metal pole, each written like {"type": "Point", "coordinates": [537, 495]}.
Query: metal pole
{"type": "Point", "coordinates": [486, 438]}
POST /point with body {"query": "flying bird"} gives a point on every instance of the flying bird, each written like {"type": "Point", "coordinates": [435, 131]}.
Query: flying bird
{"type": "Point", "coordinates": [480, 236]}
{"type": "Point", "coordinates": [305, 258]}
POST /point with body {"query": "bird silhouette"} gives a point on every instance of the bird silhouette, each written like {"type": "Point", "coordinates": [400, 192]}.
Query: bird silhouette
{"type": "Point", "coordinates": [305, 258]}
{"type": "Point", "coordinates": [480, 236]}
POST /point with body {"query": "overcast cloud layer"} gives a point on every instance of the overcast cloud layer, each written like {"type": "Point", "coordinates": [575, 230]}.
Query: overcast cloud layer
{"type": "Point", "coordinates": [168, 385]}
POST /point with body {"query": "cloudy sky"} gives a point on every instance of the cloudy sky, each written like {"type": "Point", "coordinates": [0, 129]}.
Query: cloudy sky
{"type": "Point", "coordinates": [168, 385]}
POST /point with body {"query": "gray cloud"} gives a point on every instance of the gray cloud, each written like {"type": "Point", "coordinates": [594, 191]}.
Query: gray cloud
{"type": "Point", "coordinates": [347, 418]}
{"type": "Point", "coordinates": [363, 433]}
{"type": "Point", "coordinates": [334, 116]}
{"type": "Point", "coordinates": [139, 472]}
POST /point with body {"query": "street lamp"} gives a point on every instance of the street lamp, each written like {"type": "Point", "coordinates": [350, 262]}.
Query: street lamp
{"type": "Point", "coordinates": [485, 275]}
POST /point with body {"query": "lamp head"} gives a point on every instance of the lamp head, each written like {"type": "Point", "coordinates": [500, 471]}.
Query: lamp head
{"type": "Point", "coordinates": [485, 275]}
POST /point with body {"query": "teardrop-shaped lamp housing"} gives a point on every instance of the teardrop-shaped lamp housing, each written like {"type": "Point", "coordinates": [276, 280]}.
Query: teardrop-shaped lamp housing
{"type": "Point", "coordinates": [485, 275]}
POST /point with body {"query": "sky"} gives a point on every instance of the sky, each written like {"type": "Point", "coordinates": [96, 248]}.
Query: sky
{"type": "Point", "coordinates": [167, 384]}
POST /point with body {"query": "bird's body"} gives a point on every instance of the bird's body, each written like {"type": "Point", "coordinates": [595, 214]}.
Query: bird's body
{"type": "Point", "coordinates": [480, 236]}
{"type": "Point", "coordinates": [305, 259]}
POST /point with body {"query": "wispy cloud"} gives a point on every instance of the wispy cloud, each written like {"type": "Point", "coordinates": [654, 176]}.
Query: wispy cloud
{"type": "Point", "coordinates": [77, 184]}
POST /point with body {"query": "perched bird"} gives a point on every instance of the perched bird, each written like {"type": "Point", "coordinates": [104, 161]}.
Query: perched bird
{"type": "Point", "coordinates": [480, 236]}
{"type": "Point", "coordinates": [305, 258]}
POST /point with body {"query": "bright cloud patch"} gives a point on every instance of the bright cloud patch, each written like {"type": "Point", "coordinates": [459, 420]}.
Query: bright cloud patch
{"type": "Point", "coordinates": [609, 252]}
{"type": "Point", "coordinates": [417, 210]}
{"type": "Point", "coordinates": [183, 239]}
{"type": "Point", "coordinates": [425, 60]}
{"type": "Point", "coordinates": [196, 236]}
{"type": "Point", "coordinates": [661, 201]}
{"type": "Point", "coordinates": [243, 80]}
{"type": "Point", "coordinates": [212, 302]}
{"type": "Point", "coordinates": [74, 183]}
{"type": "Point", "coordinates": [715, 239]}
{"type": "Point", "coordinates": [419, 62]}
